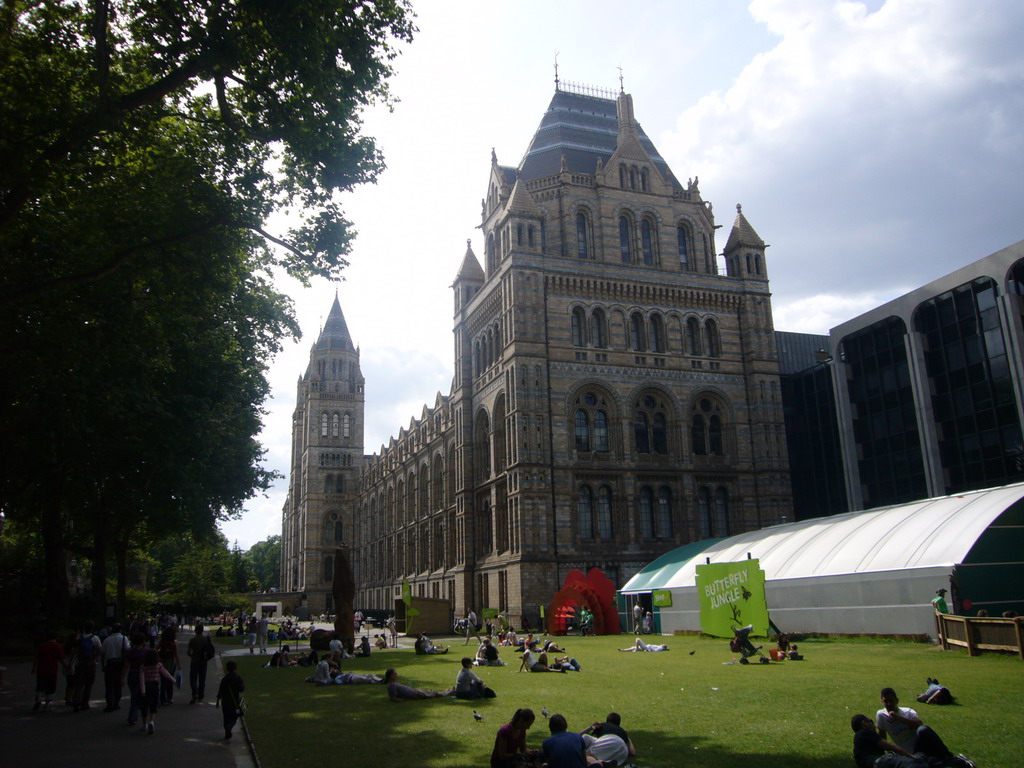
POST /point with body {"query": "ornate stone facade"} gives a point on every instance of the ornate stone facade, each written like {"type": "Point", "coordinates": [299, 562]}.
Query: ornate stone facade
{"type": "Point", "coordinates": [614, 394]}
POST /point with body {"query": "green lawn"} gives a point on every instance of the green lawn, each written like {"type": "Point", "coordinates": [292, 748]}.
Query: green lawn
{"type": "Point", "coordinates": [680, 709]}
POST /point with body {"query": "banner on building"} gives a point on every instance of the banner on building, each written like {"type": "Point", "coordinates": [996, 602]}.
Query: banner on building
{"type": "Point", "coordinates": [732, 595]}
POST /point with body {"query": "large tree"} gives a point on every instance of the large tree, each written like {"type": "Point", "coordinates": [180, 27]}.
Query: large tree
{"type": "Point", "coordinates": [143, 144]}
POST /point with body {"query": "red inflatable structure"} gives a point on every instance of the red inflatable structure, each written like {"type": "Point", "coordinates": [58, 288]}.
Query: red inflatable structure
{"type": "Point", "coordinates": [595, 592]}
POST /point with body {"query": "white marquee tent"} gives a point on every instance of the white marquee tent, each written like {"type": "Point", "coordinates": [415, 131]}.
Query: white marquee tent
{"type": "Point", "coordinates": [870, 572]}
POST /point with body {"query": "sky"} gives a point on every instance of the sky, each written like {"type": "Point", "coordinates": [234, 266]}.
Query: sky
{"type": "Point", "coordinates": [875, 146]}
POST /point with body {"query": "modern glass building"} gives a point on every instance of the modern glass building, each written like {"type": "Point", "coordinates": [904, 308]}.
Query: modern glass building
{"type": "Point", "coordinates": [928, 392]}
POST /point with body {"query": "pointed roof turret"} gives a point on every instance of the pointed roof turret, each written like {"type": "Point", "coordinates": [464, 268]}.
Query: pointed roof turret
{"type": "Point", "coordinates": [335, 333]}
{"type": "Point", "coordinates": [742, 234]}
{"type": "Point", "coordinates": [470, 269]}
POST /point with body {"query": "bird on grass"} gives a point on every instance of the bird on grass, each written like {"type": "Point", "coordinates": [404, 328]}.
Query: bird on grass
{"type": "Point", "coordinates": [477, 716]}
{"type": "Point", "coordinates": [692, 652]}
{"type": "Point", "coordinates": [545, 712]}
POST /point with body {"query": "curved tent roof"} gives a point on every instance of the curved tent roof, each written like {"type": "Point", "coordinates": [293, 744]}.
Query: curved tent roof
{"type": "Point", "coordinates": [920, 534]}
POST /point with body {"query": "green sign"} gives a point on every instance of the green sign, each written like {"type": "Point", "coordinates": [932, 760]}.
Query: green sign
{"type": "Point", "coordinates": [662, 598]}
{"type": "Point", "coordinates": [731, 595]}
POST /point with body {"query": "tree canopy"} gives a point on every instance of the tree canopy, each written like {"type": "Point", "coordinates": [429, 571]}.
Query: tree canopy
{"type": "Point", "coordinates": [143, 146]}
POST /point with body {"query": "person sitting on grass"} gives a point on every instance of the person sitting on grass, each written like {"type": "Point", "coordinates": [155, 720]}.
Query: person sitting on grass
{"type": "Point", "coordinates": [282, 658]}
{"type": "Point", "coordinates": [322, 674]}
{"type": "Point", "coordinates": [870, 750]}
{"type": "Point", "coordinates": [487, 654]}
{"type": "Point", "coordinates": [563, 748]}
{"type": "Point", "coordinates": [468, 684]}
{"type": "Point", "coordinates": [380, 643]}
{"type": "Point", "coordinates": [364, 647]}
{"type": "Point", "coordinates": [423, 646]}
{"type": "Point", "coordinates": [510, 742]}
{"type": "Point", "coordinates": [399, 693]}
{"type": "Point", "coordinates": [908, 731]}
{"type": "Point", "coordinates": [640, 645]}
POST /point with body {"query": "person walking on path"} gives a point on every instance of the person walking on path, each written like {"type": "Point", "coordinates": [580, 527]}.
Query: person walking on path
{"type": "Point", "coordinates": [229, 697]}
{"type": "Point", "coordinates": [89, 651]}
{"type": "Point", "coordinates": [167, 653]}
{"type": "Point", "coordinates": [200, 651]}
{"type": "Point", "coordinates": [264, 630]}
{"type": "Point", "coordinates": [133, 662]}
{"type": "Point", "coordinates": [114, 649]}
{"type": "Point", "coordinates": [151, 675]}
{"type": "Point", "coordinates": [46, 667]}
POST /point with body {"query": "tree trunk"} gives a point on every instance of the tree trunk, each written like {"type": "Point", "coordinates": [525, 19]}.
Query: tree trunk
{"type": "Point", "coordinates": [57, 595]}
{"type": "Point", "coordinates": [99, 569]}
{"type": "Point", "coordinates": [121, 555]}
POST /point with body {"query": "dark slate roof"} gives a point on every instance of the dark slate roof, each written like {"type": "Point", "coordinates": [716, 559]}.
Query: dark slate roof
{"type": "Point", "coordinates": [335, 334]}
{"type": "Point", "coordinates": [583, 129]}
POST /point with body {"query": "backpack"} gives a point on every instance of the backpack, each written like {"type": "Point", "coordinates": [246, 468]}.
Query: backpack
{"type": "Point", "coordinates": [209, 652]}
{"type": "Point", "coordinates": [86, 648]}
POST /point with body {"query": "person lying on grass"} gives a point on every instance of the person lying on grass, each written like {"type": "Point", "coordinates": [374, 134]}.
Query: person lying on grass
{"type": "Point", "coordinates": [536, 662]}
{"type": "Point", "coordinates": [424, 646]}
{"type": "Point", "coordinates": [612, 726]}
{"type": "Point", "coordinates": [328, 674]}
{"type": "Point", "coordinates": [468, 684]}
{"type": "Point", "coordinates": [398, 692]}
{"type": "Point", "coordinates": [567, 664]}
{"type": "Point", "coordinates": [640, 645]}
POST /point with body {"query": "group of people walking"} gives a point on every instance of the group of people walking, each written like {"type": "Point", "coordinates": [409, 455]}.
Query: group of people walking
{"type": "Point", "coordinates": [149, 668]}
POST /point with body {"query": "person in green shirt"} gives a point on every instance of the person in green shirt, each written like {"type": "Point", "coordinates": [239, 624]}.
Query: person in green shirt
{"type": "Point", "coordinates": [939, 601]}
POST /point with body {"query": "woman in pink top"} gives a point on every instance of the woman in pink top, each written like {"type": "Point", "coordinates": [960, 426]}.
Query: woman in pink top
{"type": "Point", "coordinates": [149, 686]}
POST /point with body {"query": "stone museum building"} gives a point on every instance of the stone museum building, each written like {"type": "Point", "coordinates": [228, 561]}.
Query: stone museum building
{"type": "Point", "coordinates": [615, 394]}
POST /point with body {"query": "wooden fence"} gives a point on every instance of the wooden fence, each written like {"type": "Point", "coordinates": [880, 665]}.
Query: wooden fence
{"type": "Point", "coordinates": [980, 634]}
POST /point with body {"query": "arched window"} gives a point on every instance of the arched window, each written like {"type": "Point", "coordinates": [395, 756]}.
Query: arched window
{"type": "Point", "coordinates": [693, 337]}
{"type": "Point", "coordinates": [598, 329]}
{"type": "Point", "coordinates": [329, 484]}
{"type": "Point", "coordinates": [623, 182]}
{"type": "Point", "coordinates": [683, 240]}
{"type": "Point", "coordinates": [647, 241]}
{"type": "Point", "coordinates": [604, 512]}
{"type": "Point", "coordinates": [703, 512]}
{"type": "Point", "coordinates": [346, 426]}
{"type": "Point", "coordinates": [577, 322]}
{"type": "Point", "coordinates": [529, 235]}
{"type": "Point", "coordinates": [715, 447]}
{"type": "Point", "coordinates": [713, 340]}
{"type": "Point", "coordinates": [582, 430]}
{"type": "Point", "coordinates": [328, 568]}
{"type": "Point", "coordinates": [632, 177]}
{"type": "Point", "coordinates": [720, 521]}
{"type": "Point", "coordinates": [643, 179]}
{"type": "Point", "coordinates": [601, 431]}
{"type": "Point", "coordinates": [698, 433]}
{"type": "Point", "coordinates": [585, 512]}
{"type": "Point", "coordinates": [492, 261]}
{"type": "Point", "coordinates": [641, 432]}
{"type": "Point", "coordinates": [582, 235]}
{"type": "Point", "coordinates": [625, 239]}
{"type": "Point", "coordinates": [709, 257]}
{"type": "Point", "coordinates": [519, 234]}
{"type": "Point", "coordinates": [334, 425]}
{"type": "Point", "coordinates": [657, 334]}
{"type": "Point", "coordinates": [650, 425]}
{"type": "Point", "coordinates": [707, 428]}
{"type": "Point", "coordinates": [663, 518]}
{"type": "Point", "coordinates": [636, 332]}
{"type": "Point", "coordinates": [646, 510]}
{"type": "Point", "coordinates": [590, 423]}
{"type": "Point", "coordinates": [337, 530]}
{"type": "Point", "coordinates": [323, 424]}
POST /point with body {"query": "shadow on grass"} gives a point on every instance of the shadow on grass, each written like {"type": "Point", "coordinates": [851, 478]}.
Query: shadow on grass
{"type": "Point", "coordinates": [660, 748]}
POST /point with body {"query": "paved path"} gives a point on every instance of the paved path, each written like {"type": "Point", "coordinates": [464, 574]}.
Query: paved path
{"type": "Point", "coordinates": [186, 734]}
